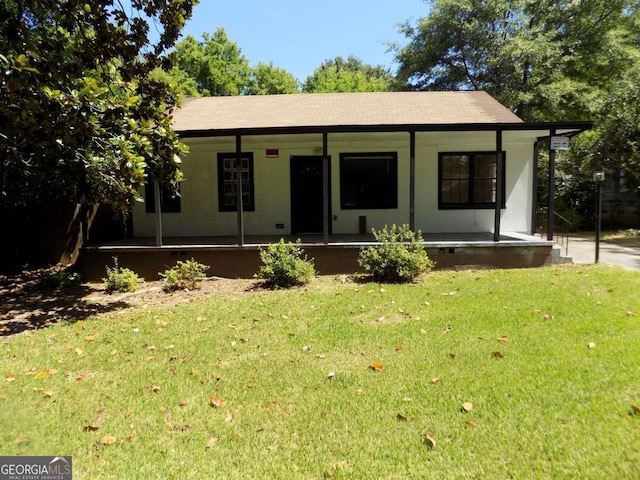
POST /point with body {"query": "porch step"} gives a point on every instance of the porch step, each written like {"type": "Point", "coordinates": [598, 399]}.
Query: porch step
{"type": "Point", "coordinates": [558, 257]}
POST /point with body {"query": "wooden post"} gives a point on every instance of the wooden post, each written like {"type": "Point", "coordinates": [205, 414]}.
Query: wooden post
{"type": "Point", "coordinates": [325, 187]}
{"type": "Point", "coordinates": [552, 189]}
{"type": "Point", "coordinates": [499, 189]}
{"type": "Point", "coordinates": [240, 206]}
{"type": "Point", "coordinates": [412, 180]}
{"type": "Point", "coordinates": [158, 208]}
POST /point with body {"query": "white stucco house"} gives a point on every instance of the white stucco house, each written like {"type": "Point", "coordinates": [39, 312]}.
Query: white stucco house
{"type": "Point", "coordinates": [336, 165]}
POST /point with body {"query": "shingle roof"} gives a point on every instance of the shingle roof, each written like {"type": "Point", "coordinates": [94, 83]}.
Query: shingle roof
{"type": "Point", "coordinates": [340, 109]}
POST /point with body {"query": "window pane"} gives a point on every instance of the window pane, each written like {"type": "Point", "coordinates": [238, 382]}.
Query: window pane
{"type": "Point", "coordinates": [368, 181]}
{"type": "Point", "coordinates": [227, 182]}
{"type": "Point", "coordinates": [485, 166]}
{"type": "Point", "coordinates": [484, 191]}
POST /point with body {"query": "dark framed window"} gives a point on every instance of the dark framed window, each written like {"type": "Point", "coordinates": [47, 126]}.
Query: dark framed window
{"type": "Point", "coordinates": [228, 182]}
{"type": "Point", "coordinates": [169, 201]}
{"type": "Point", "coordinates": [469, 180]}
{"type": "Point", "coordinates": [368, 180]}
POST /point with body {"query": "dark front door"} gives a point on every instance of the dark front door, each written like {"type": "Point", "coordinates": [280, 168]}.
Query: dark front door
{"type": "Point", "coordinates": [306, 195]}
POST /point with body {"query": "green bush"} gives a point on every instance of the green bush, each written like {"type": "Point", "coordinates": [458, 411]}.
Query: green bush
{"type": "Point", "coordinates": [400, 257]}
{"type": "Point", "coordinates": [121, 279]}
{"type": "Point", "coordinates": [285, 265]}
{"type": "Point", "coordinates": [184, 276]}
{"type": "Point", "coordinates": [59, 277]}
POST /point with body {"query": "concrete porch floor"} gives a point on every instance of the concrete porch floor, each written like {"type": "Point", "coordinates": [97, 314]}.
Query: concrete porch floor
{"type": "Point", "coordinates": [228, 259]}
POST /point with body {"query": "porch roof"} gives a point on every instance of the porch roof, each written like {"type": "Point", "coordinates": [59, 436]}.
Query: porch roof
{"type": "Point", "coordinates": [351, 112]}
{"type": "Point", "coordinates": [339, 109]}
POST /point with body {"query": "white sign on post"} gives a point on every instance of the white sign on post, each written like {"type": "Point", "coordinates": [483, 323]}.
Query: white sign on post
{"type": "Point", "coordinates": [559, 143]}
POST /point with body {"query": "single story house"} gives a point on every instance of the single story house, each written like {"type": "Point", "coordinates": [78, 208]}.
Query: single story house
{"type": "Point", "coordinates": [327, 168]}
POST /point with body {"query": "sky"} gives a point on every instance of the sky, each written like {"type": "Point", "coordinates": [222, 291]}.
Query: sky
{"type": "Point", "coordinates": [298, 35]}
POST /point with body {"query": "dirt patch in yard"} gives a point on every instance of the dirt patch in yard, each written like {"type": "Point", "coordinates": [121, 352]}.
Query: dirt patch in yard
{"type": "Point", "coordinates": [27, 303]}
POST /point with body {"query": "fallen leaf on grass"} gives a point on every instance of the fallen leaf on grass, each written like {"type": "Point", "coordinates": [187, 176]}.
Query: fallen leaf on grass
{"type": "Point", "coordinates": [41, 375]}
{"type": "Point", "coordinates": [306, 348]}
{"type": "Point", "coordinates": [330, 375]}
{"type": "Point", "coordinates": [452, 356]}
{"type": "Point", "coordinates": [401, 417]}
{"type": "Point", "coordinates": [78, 352]}
{"type": "Point", "coordinates": [10, 377]}
{"type": "Point", "coordinates": [177, 428]}
{"type": "Point", "coordinates": [184, 403]}
{"type": "Point", "coordinates": [21, 440]}
{"type": "Point", "coordinates": [635, 410]}
{"type": "Point", "coordinates": [90, 428]}
{"type": "Point", "coordinates": [48, 393]}
{"type": "Point", "coordinates": [155, 388]}
{"type": "Point", "coordinates": [216, 402]}
{"type": "Point", "coordinates": [548, 316]}
{"type": "Point", "coordinates": [504, 339]}
{"type": "Point", "coordinates": [631, 314]}
{"type": "Point", "coordinates": [428, 439]}
{"type": "Point", "coordinates": [108, 440]}
{"type": "Point", "coordinates": [591, 345]}
{"type": "Point", "coordinates": [435, 379]}
{"type": "Point", "coordinates": [449, 294]}
{"type": "Point", "coordinates": [467, 406]}
{"type": "Point", "coordinates": [376, 367]}
{"type": "Point", "coordinates": [497, 354]}
{"type": "Point", "coordinates": [92, 337]}
{"type": "Point", "coordinates": [380, 319]}
{"type": "Point", "coordinates": [447, 330]}
{"type": "Point", "coordinates": [472, 424]}
{"type": "Point", "coordinates": [212, 442]}
{"type": "Point", "coordinates": [399, 348]}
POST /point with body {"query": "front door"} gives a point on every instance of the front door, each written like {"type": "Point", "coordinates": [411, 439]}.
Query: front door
{"type": "Point", "coordinates": [306, 194]}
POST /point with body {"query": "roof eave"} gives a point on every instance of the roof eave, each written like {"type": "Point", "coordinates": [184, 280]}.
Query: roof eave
{"type": "Point", "coordinates": [567, 128]}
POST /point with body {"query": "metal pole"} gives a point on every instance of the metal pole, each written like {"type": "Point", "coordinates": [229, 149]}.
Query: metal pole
{"type": "Point", "coordinates": [598, 221]}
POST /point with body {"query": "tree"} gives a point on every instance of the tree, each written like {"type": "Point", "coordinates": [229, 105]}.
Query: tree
{"type": "Point", "coordinates": [266, 79]}
{"type": "Point", "coordinates": [79, 110]}
{"type": "Point", "coordinates": [545, 59]}
{"type": "Point", "coordinates": [216, 64]}
{"type": "Point", "coordinates": [350, 75]}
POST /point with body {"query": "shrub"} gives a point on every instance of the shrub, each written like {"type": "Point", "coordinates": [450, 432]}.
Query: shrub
{"type": "Point", "coordinates": [184, 276]}
{"type": "Point", "coordinates": [285, 265]}
{"type": "Point", "coordinates": [121, 279]}
{"type": "Point", "coordinates": [59, 277]}
{"type": "Point", "coordinates": [400, 257]}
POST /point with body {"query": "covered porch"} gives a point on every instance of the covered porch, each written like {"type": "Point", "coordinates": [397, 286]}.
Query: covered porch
{"type": "Point", "coordinates": [338, 255]}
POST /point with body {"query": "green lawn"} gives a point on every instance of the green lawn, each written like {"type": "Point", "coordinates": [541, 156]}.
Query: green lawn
{"type": "Point", "coordinates": [549, 359]}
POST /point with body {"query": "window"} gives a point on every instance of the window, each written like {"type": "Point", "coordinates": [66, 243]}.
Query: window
{"type": "Point", "coordinates": [228, 182]}
{"type": "Point", "coordinates": [169, 201]}
{"type": "Point", "coordinates": [468, 180]}
{"type": "Point", "coordinates": [368, 180]}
